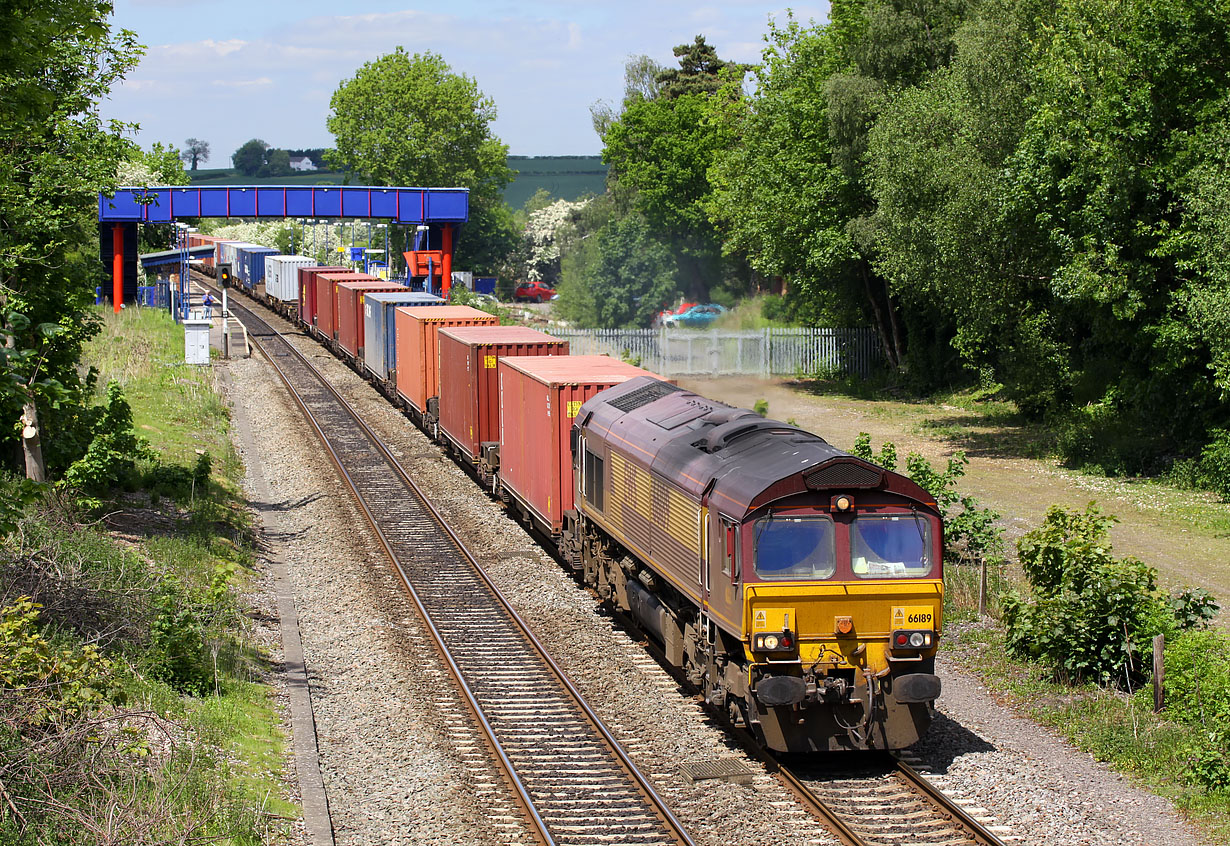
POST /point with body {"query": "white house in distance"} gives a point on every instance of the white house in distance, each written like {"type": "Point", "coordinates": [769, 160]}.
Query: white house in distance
{"type": "Point", "coordinates": [301, 163]}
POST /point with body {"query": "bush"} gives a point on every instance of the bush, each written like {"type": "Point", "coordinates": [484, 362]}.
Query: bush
{"type": "Point", "coordinates": [1091, 616]}
{"type": "Point", "coordinates": [1198, 696]}
{"type": "Point", "coordinates": [53, 684]}
{"type": "Point", "coordinates": [112, 455]}
{"type": "Point", "coordinates": [1215, 464]}
{"type": "Point", "coordinates": [178, 653]}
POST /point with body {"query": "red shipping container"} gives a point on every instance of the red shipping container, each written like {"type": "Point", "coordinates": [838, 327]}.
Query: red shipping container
{"type": "Point", "coordinates": [418, 358]}
{"type": "Point", "coordinates": [326, 299]}
{"type": "Point", "coordinates": [197, 239]}
{"type": "Point", "coordinates": [469, 391]}
{"type": "Point", "coordinates": [349, 322]}
{"type": "Point", "coordinates": [539, 398]}
{"type": "Point", "coordinates": [307, 291]}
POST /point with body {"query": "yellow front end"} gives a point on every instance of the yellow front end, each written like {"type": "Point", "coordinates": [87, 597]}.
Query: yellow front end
{"type": "Point", "coordinates": [845, 681]}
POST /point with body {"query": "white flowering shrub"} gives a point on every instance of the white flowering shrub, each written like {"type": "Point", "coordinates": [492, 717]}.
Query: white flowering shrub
{"type": "Point", "coordinates": [543, 232]}
{"type": "Point", "coordinates": [138, 175]}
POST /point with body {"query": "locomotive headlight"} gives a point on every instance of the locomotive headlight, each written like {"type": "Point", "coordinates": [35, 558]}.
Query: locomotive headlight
{"type": "Point", "coordinates": [918, 640]}
{"type": "Point", "coordinates": [770, 641]}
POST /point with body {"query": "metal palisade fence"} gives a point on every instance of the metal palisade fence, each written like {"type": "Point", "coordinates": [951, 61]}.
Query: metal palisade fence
{"type": "Point", "coordinates": [764, 352]}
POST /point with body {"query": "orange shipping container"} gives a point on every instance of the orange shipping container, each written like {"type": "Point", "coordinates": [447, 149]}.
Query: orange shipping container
{"type": "Point", "coordinates": [349, 322]}
{"type": "Point", "coordinates": [418, 358]}
{"type": "Point", "coordinates": [469, 391]}
{"type": "Point", "coordinates": [539, 399]}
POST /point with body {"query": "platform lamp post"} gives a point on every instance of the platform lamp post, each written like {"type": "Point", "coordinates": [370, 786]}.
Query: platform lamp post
{"type": "Point", "coordinates": [388, 264]}
{"type": "Point", "coordinates": [187, 257]}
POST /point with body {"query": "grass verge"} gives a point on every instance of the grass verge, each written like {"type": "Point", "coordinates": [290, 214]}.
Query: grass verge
{"type": "Point", "coordinates": [1117, 727]}
{"type": "Point", "coordinates": [134, 697]}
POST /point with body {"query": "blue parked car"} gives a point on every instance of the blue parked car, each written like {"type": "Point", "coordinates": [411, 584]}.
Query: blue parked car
{"type": "Point", "coordinates": [697, 317]}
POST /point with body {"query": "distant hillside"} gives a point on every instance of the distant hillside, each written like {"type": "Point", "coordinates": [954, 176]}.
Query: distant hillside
{"type": "Point", "coordinates": [229, 176]}
{"type": "Point", "coordinates": [564, 177]}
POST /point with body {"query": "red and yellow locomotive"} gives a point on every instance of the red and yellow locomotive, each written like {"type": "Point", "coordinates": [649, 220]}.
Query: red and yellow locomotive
{"type": "Point", "coordinates": [797, 585]}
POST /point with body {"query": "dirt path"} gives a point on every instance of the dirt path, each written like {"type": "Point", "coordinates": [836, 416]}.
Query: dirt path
{"type": "Point", "coordinates": [1186, 536]}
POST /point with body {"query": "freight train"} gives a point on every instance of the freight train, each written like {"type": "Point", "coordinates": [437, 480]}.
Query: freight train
{"type": "Point", "coordinates": [799, 587]}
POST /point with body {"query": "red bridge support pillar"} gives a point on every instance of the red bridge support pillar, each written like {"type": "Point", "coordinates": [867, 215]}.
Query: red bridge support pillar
{"type": "Point", "coordinates": [117, 267]}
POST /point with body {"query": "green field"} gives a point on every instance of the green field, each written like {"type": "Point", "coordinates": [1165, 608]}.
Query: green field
{"type": "Point", "coordinates": [228, 176]}
{"type": "Point", "coordinates": [563, 177]}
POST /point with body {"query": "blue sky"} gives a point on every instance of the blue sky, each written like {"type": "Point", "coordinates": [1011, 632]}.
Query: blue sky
{"type": "Point", "coordinates": [227, 71]}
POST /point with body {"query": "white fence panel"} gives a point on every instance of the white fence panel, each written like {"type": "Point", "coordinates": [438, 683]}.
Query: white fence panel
{"type": "Point", "coordinates": [764, 352]}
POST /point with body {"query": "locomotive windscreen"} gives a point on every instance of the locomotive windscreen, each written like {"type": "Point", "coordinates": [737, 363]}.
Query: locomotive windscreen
{"type": "Point", "coordinates": [891, 546]}
{"type": "Point", "coordinates": [795, 548]}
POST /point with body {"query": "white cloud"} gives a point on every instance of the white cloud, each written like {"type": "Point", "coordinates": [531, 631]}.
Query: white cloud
{"type": "Point", "coordinates": [259, 82]}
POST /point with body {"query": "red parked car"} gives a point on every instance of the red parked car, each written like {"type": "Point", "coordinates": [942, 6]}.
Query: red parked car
{"type": "Point", "coordinates": [537, 292]}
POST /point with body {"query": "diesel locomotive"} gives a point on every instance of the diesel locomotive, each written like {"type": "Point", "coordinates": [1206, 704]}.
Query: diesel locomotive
{"type": "Point", "coordinates": [798, 586]}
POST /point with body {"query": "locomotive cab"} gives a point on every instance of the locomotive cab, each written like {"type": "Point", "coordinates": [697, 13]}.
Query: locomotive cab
{"type": "Point", "coordinates": [841, 612]}
{"type": "Point", "coordinates": [798, 586]}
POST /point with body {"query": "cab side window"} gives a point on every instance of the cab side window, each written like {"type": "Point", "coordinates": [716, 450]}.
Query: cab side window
{"type": "Point", "coordinates": [729, 540]}
{"type": "Point", "coordinates": [594, 480]}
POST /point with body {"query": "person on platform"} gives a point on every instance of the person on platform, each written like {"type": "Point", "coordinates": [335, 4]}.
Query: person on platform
{"type": "Point", "coordinates": [208, 302]}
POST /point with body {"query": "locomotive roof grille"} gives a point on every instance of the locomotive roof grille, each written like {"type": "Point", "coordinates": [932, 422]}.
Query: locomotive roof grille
{"type": "Point", "coordinates": [643, 396]}
{"type": "Point", "coordinates": [843, 474]}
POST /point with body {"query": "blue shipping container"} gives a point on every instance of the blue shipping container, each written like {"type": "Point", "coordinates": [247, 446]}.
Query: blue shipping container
{"type": "Point", "coordinates": [252, 264]}
{"type": "Point", "coordinates": [379, 333]}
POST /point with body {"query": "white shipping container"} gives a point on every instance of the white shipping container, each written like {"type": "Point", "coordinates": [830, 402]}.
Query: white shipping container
{"type": "Point", "coordinates": [226, 254]}
{"type": "Point", "coordinates": [282, 276]}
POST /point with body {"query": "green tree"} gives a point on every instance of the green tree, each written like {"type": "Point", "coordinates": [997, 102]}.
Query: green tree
{"type": "Point", "coordinates": [700, 71]}
{"type": "Point", "coordinates": [641, 75]}
{"type": "Point", "coordinates": [60, 58]}
{"type": "Point", "coordinates": [250, 157]}
{"type": "Point", "coordinates": [961, 264]}
{"type": "Point", "coordinates": [277, 163]}
{"type": "Point", "coordinates": [790, 189]}
{"type": "Point", "coordinates": [407, 119]}
{"type": "Point", "coordinates": [619, 277]}
{"type": "Point", "coordinates": [662, 147]}
{"type": "Point", "coordinates": [1058, 198]}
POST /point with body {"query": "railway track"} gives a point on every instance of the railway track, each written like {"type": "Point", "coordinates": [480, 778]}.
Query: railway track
{"type": "Point", "coordinates": [880, 801]}
{"type": "Point", "coordinates": [885, 803]}
{"type": "Point", "coordinates": [572, 779]}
